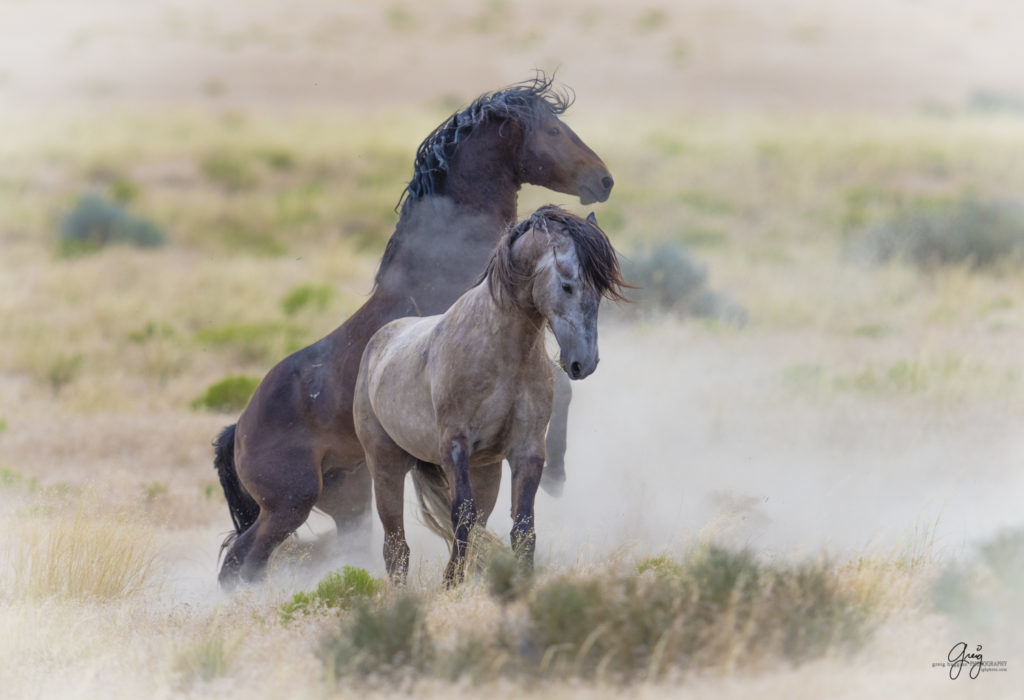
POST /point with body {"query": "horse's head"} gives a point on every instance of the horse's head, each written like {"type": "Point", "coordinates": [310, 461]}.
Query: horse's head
{"type": "Point", "coordinates": [553, 156]}
{"type": "Point", "coordinates": [517, 130]}
{"type": "Point", "coordinates": [576, 268]}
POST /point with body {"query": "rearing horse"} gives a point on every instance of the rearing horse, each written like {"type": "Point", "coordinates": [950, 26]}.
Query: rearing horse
{"type": "Point", "coordinates": [466, 389]}
{"type": "Point", "coordinates": [294, 446]}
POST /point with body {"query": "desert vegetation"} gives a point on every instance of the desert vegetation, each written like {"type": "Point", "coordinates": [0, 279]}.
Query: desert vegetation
{"type": "Point", "coordinates": [795, 472]}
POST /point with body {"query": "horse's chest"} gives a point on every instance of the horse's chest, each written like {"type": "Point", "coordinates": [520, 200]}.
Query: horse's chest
{"type": "Point", "coordinates": [496, 425]}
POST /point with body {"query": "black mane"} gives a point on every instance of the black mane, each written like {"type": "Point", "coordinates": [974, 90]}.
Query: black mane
{"type": "Point", "coordinates": [518, 101]}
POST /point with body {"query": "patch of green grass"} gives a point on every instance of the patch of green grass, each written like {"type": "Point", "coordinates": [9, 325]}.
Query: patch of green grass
{"type": "Point", "coordinates": [338, 589]}
{"type": "Point", "coordinates": [706, 202]}
{"type": "Point", "coordinates": [63, 369]}
{"type": "Point", "coordinates": [399, 18]}
{"type": "Point", "coordinates": [124, 191]}
{"type": "Point", "coordinates": [255, 342]}
{"type": "Point", "coordinates": [492, 17]}
{"type": "Point", "coordinates": [651, 19]}
{"type": "Point", "coordinates": [227, 395]}
{"type": "Point", "coordinates": [307, 296]}
{"type": "Point", "coordinates": [206, 658]}
{"type": "Point", "coordinates": [277, 158]}
{"type": "Point", "coordinates": [11, 479]}
{"type": "Point", "coordinates": [154, 490]}
{"type": "Point", "coordinates": [150, 331]}
{"type": "Point", "coordinates": [231, 169]}
{"type": "Point", "coordinates": [237, 234]}
{"type": "Point", "coordinates": [872, 330]}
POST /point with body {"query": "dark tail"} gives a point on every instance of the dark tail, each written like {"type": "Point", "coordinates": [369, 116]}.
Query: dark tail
{"type": "Point", "coordinates": [242, 506]}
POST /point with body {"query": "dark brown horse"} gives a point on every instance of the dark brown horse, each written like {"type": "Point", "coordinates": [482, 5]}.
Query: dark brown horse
{"type": "Point", "coordinates": [294, 446]}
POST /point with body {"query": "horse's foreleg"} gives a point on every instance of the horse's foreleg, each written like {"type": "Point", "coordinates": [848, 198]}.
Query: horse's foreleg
{"type": "Point", "coordinates": [526, 476]}
{"type": "Point", "coordinates": [553, 479]}
{"type": "Point", "coordinates": [455, 463]}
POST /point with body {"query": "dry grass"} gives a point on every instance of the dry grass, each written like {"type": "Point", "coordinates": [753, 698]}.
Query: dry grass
{"type": "Point", "coordinates": [85, 554]}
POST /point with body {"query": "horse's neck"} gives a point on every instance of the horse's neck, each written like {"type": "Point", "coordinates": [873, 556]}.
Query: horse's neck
{"type": "Point", "coordinates": [441, 247]}
{"type": "Point", "coordinates": [504, 332]}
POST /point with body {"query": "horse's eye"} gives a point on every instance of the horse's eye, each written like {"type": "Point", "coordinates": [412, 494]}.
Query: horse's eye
{"type": "Point", "coordinates": [554, 131]}
{"type": "Point", "coordinates": [566, 287]}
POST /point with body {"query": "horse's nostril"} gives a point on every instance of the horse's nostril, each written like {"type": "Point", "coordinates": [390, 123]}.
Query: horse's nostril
{"type": "Point", "coordinates": [607, 181]}
{"type": "Point", "coordinates": [576, 370]}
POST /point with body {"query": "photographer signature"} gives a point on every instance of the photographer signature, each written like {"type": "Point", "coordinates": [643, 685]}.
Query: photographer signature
{"type": "Point", "coordinates": [959, 657]}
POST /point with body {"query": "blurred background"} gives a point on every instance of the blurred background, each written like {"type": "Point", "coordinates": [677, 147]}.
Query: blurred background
{"type": "Point", "coordinates": [822, 203]}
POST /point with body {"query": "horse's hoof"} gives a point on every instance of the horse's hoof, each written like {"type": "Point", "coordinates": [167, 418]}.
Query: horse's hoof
{"type": "Point", "coordinates": [553, 487]}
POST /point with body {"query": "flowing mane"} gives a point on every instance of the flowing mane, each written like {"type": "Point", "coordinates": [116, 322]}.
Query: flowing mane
{"type": "Point", "coordinates": [599, 265]}
{"type": "Point", "coordinates": [518, 101]}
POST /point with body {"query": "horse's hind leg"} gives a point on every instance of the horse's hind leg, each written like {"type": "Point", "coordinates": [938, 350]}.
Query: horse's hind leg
{"type": "Point", "coordinates": [553, 479]}
{"type": "Point", "coordinates": [389, 467]}
{"type": "Point", "coordinates": [347, 496]}
{"type": "Point", "coordinates": [286, 486]}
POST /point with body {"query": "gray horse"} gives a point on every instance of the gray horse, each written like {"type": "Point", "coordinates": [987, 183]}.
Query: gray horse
{"type": "Point", "coordinates": [469, 388]}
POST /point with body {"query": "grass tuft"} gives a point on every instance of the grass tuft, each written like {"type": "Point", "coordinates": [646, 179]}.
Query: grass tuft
{"type": "Point", "coordinates": [85, 556]}
{"type": "Point", "coordinates": [206, 658]}
{"type": "Point", "coordinates": [338, 589]}
{"type": "Point", "coordinates": [230, 394]}
{"type": "Point", "coordinates": [307, 296]}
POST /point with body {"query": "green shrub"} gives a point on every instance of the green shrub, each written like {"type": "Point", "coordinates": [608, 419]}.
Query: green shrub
{"type": "Point", "coordinates": [669, 280]}
{"type": "Point", "coordinates": [663, 618]}
{"type": "Point", "coordinates": [95, 222]}
{"type": "Point", "coordinates": [338, 589]}
{"type": "Point", "coordinates": [979, 234]}
{"type": "Point", "coordinates": [384, 639]}
{"type": "Point", "coordinates": [316, 296]}
{"type": "Point", "coordinates": [230, 394]}
{"type": "Point", "coordinates": [691, 614]}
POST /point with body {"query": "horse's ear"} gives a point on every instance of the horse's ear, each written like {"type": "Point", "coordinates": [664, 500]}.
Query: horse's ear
{"type": "Point", "coordinates": [591, 219]}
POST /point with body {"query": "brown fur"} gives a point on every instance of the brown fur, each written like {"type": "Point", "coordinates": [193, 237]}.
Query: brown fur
{"type": "Point", "coordinates": [295, 445]}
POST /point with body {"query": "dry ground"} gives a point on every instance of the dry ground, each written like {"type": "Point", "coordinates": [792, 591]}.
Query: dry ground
{"type": "Point", "coordinates": [868, 412]}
